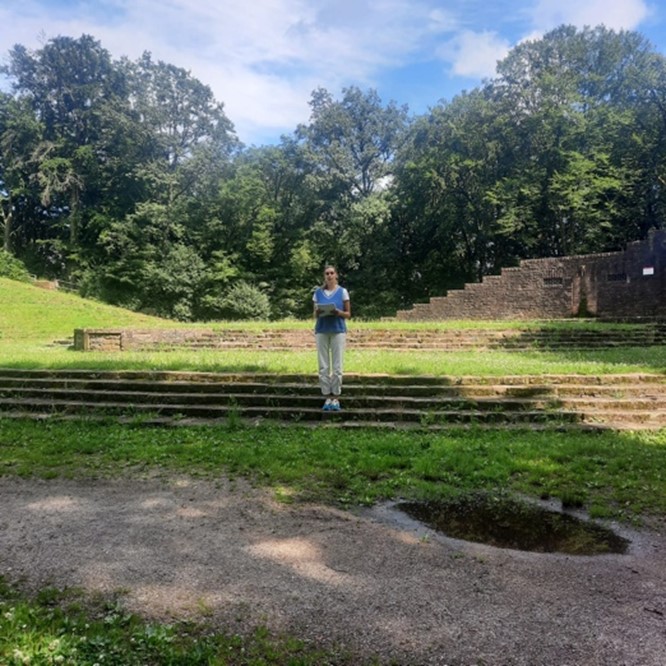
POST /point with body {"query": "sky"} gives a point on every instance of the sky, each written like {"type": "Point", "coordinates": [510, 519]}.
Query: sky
{"type": "Point", "coordinates": [263, 58]}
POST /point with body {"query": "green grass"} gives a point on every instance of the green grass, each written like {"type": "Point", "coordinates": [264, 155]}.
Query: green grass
{"type": "Point", "coordinates": [31, 313]}
{"type": "Point", "coordinates": [26, 355]}
{"type": "Point", "coordinates": [66, 627]}
{"type": "Point", "coordinates": [622, 475]}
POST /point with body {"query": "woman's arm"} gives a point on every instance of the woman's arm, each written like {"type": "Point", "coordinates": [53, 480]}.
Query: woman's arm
{"type": "Point", "coordinates": [346, 312]}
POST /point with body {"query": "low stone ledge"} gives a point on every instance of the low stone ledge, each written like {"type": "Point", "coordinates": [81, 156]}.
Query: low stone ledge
{"type": "Point", "coordinates": [116, 340]}
{"type": "Point", "coordinates": [110, 340]}
{"type": "Point", "coordinates": [90, 339]}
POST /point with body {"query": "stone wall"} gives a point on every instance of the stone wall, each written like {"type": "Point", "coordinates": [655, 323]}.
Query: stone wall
{"type": "Point", "coordinates": [107, 340]}
{"type": "Point", "coordinates": [628, 285]}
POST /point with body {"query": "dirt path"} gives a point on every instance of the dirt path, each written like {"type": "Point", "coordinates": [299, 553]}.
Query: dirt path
{"type": "Point", "coordinates": [180, 547]}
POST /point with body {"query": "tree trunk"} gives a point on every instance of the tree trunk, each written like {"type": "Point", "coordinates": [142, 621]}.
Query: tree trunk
{"type": "Point", "coordinates": [7, 217]}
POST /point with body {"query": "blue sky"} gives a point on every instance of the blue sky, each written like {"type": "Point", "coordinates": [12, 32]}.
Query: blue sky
{"type": "Point", "coordinates": [262, 58]}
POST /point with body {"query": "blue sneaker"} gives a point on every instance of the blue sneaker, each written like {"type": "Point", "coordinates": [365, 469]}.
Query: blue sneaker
{"type": "Point", "coordinates": [335, 405]}
{"type": "Point", "coordinates": [328, 405]}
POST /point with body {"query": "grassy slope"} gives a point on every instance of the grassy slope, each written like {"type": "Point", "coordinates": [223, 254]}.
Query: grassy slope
{"type": "Point", "coordinates": [31, 313]}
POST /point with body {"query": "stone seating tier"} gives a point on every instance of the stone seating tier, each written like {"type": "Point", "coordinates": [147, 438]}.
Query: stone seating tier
{"type": "Point", "coordinates": [544, 401]}
{"type": "Point", "coordinates": [113, 340]}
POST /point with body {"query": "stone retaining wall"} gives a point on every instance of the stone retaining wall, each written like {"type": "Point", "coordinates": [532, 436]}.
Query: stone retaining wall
{"type": "Point", "coordinates": [111, 340]}
{"type": "Point", "coordinates": [629, 284]}
{"type": "Point", "coordinates": [434, 339]}
{"type": "Point", "coordinates": [107, 340]}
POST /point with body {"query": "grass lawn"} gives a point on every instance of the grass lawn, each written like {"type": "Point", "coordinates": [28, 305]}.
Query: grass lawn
{"type": "Point", "coordinates": [29, 354]}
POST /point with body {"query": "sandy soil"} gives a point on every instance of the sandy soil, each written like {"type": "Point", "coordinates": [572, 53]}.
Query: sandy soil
{"type": "Point", "coordinates": [179, 547]}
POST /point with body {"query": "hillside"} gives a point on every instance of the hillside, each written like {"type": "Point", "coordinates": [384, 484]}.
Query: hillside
{"type": "Point", "coordinates": [31, 313]}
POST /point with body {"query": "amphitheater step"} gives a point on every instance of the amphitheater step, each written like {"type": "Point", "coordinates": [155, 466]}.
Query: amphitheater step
{"type": "Point", "coordinates": [544, 337]}
{"type": "Point", "coordinates": [296, 414]}
{"type": "Point", "coordinates": [283, 399]}
{"type": "Point", "coordinates": [634, 400]}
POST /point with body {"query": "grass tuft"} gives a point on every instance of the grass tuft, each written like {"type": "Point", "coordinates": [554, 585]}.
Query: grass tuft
{"type": "Point", "coordinates": [66, 627]}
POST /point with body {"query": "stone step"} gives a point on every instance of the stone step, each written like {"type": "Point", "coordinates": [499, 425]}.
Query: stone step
{"type": "Point", "coordinates": [638, 399]}
{"type": "Point", "coordinates": [366, 396]}
{"type": "Point", "coordinates": [532, 382]}
{"type": "Point", "coordinates": [445, 338]}
{"type": "Point", "coordinates": [47, 406]}
{"type": "Point", "coordinates": [637, 390]}
{"type": "Point", "coordinates": [285, 399]}
{"type": "Point", "coordinates": [151, 419]}
{"type": "Point", "coordinates": [643, 418]}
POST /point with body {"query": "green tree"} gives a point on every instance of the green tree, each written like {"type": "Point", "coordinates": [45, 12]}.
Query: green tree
{"type": "Point", "coordinates": [20, 134]}
{"type": "Point", "coordinates": [260, 223]}
{"type": "Point", "coordinates": [13, 268]}
{"type": "Point", "coordinates": [184, 144]}
{"type": "Point", "coordinates": [448, 225]}
{"type": "Point", "coordinates": [353, 141]}
{"type": "Point", "coordinates": [245, 301]}
{"type": "Point", "coordinates": [67, 84]}
{"type": "Point", "coordinates": [574, 100]}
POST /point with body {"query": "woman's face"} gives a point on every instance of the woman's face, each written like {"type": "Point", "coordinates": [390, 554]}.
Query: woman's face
{"type": "Point", "coordinates": [330, 275]}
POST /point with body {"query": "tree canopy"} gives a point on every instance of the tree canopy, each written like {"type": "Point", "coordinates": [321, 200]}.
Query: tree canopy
{"type": "Point", "coordinates": [127, 178]}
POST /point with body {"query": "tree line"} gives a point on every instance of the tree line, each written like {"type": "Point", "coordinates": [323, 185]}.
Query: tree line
{"type": "Point", "coordinates": [127, 178]}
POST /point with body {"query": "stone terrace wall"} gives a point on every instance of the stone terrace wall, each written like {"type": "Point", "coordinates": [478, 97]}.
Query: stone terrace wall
{"type": "Point", "coordinates": [107, 340]}
{"type": "Point", "coordinates": [629, 284]}
{"type": "Point", "coordinates": [531, 337]}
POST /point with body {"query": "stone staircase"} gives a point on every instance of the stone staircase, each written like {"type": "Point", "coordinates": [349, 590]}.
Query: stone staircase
{"type": "Point", "coordinates": [547, 401]}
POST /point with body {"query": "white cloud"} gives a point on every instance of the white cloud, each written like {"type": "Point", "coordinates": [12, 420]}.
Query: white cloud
{"type": "Point", "coordinates": [262, 58]}
{"type": "Point", "coordinates": [614, 14]}
{"type": "Point", "coordinates": [474, 54]}
{"type": "Point", "coordinates": [441, 20]}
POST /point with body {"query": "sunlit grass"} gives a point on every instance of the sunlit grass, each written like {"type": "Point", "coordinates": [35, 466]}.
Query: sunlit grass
{"type": "Point", "coordinates": [30, 354]}
{"type": "Point", "coordinates": [616, 474]}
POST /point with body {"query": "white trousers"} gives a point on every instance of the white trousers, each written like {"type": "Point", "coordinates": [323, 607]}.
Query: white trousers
{"type": "Point", "coordinates": [330, 354]}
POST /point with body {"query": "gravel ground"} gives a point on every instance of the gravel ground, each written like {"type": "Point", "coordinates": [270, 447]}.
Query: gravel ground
{"type": "Point", "coordinates": [384, 587]}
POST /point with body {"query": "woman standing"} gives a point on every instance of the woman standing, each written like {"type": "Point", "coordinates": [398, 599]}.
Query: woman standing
{"type": "Point", "coordinates": [331, 308]}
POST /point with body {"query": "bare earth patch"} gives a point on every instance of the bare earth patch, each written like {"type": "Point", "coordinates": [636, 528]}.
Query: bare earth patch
{"type": "Point", "coordinates": [182, 547]}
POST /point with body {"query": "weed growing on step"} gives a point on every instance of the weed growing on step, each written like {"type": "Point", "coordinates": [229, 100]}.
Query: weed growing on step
{"type": "Point", "coordinates": [233, 418]}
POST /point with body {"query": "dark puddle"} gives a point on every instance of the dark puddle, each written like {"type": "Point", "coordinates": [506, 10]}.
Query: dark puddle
{"type": "Point", "coordinates": [512, 523]}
